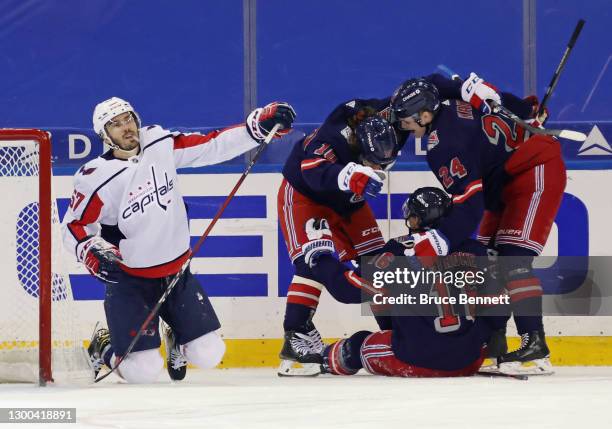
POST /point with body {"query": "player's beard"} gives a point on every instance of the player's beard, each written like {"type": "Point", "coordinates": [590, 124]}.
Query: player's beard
{"type": "Point", "coordinates": [129, 141]}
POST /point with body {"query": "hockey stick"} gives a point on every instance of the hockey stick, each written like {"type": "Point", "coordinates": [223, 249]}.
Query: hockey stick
{"type": "Point", "coordinates": [497, 108]}
{"type": "Point", "coordinates": [566, 134]}
{"type": "Point", "coordinates": [557, 73]}
{"type": "Point", "coordinates": [492, 374]}
{"type": "Point", "coordinates": [197, 246]}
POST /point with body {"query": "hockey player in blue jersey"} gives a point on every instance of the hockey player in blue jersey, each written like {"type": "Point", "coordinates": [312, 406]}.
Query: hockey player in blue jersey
{"type": "Point", "coordinates": [509, 183]}
{"type": "Point", "coordinates": [328, 175]}
{"type": "Point", "coordinates": [437, 340]}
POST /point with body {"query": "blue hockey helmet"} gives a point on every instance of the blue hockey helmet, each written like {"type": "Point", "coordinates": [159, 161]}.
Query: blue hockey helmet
{"type": "Point", "coordinates": [413, 97]}
{"type": "Point", "coordinates": [429, 204]}
{"type": "Point", "coordinates": [377, 141]}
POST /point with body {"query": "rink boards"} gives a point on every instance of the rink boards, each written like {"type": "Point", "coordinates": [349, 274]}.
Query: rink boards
{"type": "Point", "coordinates": [244, 267]}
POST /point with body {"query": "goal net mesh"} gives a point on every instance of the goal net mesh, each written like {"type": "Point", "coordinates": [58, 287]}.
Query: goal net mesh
{"type": "Point", "coordinates": [19, 293]}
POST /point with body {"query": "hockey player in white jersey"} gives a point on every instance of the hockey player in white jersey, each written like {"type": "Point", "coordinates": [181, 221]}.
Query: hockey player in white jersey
{"type": "Point", "coordinates": [128, 224]}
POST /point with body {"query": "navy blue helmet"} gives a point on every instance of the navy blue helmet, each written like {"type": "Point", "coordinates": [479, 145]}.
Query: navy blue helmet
{"type": "Point", "coordinates": [377, 141]}
{"type": "Point", "coordinates": [413, 97]}
{"type": "Point", "coordinates": [429, 204]}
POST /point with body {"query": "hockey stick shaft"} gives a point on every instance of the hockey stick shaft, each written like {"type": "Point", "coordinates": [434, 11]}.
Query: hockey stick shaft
{"type": "Point", "coordinates": [557, 73]}
{"type": "Point", "coordinates": [178, 275]}
{"type": "Point", "coordinates": [521, 377]}
{"type": "Point", "coordinates": [497, 108]}
{"type": "Point", "coordinates": [566, 134]}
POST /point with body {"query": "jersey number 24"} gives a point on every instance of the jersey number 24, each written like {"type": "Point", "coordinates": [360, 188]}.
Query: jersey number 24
{"type": "Point", "coordinates": [456, 169]}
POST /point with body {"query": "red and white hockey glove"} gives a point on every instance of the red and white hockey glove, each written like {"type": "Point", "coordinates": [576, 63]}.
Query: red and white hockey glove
{"type": "Point", "coordinates": [536, 121]}
{"type": "Point", "coordinates": [479, 93]}
{"type": "Point", "coordinates": [427, 244]}
{"type": "Point", "coordinates": [261, 120]}
{"type": "Point", "coordinates": [101, 259]}
{"type": "Point", "coordinates": [320, 241]}
{"type": "Point", "coordinates": [360, 180]}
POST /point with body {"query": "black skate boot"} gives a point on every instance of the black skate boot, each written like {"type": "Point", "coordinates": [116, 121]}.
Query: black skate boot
{"type": "Point", "coordinates": [532, 357]}
{"type": "Point", "coordinates": [175, 361]}
{"type": "Point", "coordinates": [497, 344]}
{"type": "Point", "coordinates": [100, 342]}
{"type": "Point", "coordinates": [301, 354]}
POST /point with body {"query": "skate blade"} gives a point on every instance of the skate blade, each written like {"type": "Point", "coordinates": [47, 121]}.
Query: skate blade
{"type": "Point", "coordinates": [289, 368]}
{"type": "Point", "coordinates": [489, 363]}
{"type": "Point", "coordinates": [534, 367]}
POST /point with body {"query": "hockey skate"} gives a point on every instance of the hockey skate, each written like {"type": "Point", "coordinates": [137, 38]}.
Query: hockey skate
{"type": "Point", "coordinates": [175, 361]}
{"type": "Point", "coordinates": [100, 341]}
{"type": "Point", "coordinates": [301, 354]}
{"type": "Point", "coordinates": [532, 357]}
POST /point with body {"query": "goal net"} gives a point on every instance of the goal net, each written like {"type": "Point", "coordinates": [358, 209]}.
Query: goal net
{"type": "Point", "coordinates": [38, 316]}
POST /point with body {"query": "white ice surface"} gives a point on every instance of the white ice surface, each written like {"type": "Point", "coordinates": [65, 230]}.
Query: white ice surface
{"type": "Point", "coordinates": [256, 398]}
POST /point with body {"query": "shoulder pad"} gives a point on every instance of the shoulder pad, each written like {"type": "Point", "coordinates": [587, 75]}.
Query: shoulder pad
{"type": "Point", "coordinates": [95, 172]}
{"type": "Point", "coordinates": [153, 133]}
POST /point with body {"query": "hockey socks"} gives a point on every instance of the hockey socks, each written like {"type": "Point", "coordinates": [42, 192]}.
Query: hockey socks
{"type": "Point", "coordinates": [297, 317]}
{"type": "Point", "coordinates": [344, 356]}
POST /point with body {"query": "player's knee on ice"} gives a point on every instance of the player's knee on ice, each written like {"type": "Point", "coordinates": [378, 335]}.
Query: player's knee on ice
{"type": "Point", "coordinates": [142, 367]}
{"type": "Point", "coordinates": [205, 351]}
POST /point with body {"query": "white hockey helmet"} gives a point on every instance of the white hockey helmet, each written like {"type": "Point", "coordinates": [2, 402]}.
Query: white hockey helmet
{"type": "Point", "coordinates": [107, 110]}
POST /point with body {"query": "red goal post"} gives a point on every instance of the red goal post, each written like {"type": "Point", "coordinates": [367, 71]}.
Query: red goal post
{"type": "Point", "coordinates": [30, 231]}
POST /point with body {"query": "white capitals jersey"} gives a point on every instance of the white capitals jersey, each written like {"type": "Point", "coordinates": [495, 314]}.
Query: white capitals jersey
{"type": "Point", "coordinates": [136, 204]}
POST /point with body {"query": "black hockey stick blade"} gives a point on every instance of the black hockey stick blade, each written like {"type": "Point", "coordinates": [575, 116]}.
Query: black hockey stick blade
{"type": "Point", "coordinates": [521, 377]}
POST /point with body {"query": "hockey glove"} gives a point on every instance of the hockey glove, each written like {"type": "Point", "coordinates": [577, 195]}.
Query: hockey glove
{"type": "Point", "coordinates": [320, 242]}
{"type": "Point", "coordinates": [428, 243]}
{"type": "Point", "coordinates": [360, 180]}
{"type": "Point", "coordinates": [101, 259]}
{"type": "Point", "coordinates": [261, 120]}
{"type": "Point", "coordinates": [536, 121]}
{"type": "Point", "coordinates": [479, 93]}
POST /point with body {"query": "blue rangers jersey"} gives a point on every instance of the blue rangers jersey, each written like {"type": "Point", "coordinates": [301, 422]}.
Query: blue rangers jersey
{"type": "Point", "coordinates": [313, 165]}
{"type": "Point", "coordinates": [467, 152]}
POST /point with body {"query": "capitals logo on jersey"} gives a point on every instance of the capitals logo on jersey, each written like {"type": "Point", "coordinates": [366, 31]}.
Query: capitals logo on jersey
{"type": "Point", "coordinates": [151, 192]}
{"type": "Point", "coordinates": [86, 171]}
